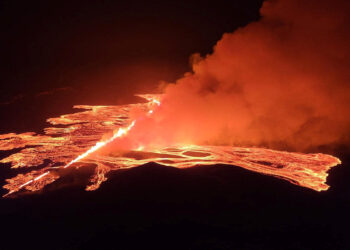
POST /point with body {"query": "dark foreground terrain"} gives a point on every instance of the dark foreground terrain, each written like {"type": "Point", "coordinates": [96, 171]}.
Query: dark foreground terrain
{"type": "Point", "coordinates": [158, 207]}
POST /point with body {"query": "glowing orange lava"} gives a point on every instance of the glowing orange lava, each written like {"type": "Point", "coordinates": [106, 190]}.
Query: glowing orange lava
{"type": "Point", "coordinates": [79, 136]}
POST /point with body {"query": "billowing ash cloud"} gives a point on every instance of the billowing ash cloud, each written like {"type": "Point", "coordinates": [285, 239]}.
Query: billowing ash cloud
{"type": "Point", "coordinates": [281, 82]}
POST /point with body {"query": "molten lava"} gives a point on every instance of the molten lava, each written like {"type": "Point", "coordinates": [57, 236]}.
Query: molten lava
{"type": "Point", "coordinates": [76, 137]}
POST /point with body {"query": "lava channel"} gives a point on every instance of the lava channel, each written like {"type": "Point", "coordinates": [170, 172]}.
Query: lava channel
{"type": "Point", "coordinates": [72, 139]}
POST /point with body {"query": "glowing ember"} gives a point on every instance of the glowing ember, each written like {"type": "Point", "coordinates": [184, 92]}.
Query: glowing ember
{"type": "Point", "coordinates": [80, 136]}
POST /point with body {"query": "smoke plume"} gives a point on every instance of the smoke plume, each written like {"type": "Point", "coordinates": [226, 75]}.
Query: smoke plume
{"type": "Point", "coordinates": [281, 82]}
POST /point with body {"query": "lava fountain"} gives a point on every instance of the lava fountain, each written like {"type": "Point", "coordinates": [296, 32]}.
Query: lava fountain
{"type": "Point", "coordinates": [75, 139]}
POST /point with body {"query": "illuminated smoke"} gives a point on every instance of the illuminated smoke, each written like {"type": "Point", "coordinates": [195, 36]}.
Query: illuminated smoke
{"type": "Point", "coordinates": [281, 82]}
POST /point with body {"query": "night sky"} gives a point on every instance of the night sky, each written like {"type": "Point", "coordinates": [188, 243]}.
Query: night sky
{"type": "Point", "coordinates": [55, 54]}
{"type": "Point", "coordinates": [101, 52]}
{"type": "Point", "coordinates": [119, 46]}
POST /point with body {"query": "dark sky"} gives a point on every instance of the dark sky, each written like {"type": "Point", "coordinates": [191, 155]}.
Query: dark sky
{"type": "Point", "coordinates": [107, 48]}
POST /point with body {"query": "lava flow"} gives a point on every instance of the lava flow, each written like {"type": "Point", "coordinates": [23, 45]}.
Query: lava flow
{"type": "Point", "coordinates": [75, 137]}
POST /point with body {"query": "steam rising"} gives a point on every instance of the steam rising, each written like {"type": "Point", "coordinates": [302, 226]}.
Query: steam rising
{"type": "Point", "coordinates": [281, 82]}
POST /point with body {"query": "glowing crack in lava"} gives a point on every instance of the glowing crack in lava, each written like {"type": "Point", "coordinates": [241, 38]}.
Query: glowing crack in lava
{"type": "Point", "coordinates": [75, 137]}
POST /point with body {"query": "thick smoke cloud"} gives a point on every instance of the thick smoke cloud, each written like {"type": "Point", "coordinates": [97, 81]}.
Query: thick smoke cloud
{"type": "Point", "coordinates": [281, 82]}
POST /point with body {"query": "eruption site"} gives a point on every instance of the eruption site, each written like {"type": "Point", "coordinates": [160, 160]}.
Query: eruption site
{"type": "Point", "coordinates": [280, 83]}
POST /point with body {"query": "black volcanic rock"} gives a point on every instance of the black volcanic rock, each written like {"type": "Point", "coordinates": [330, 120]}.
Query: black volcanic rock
{"type": "Point", "coordinates": [155, 206]}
